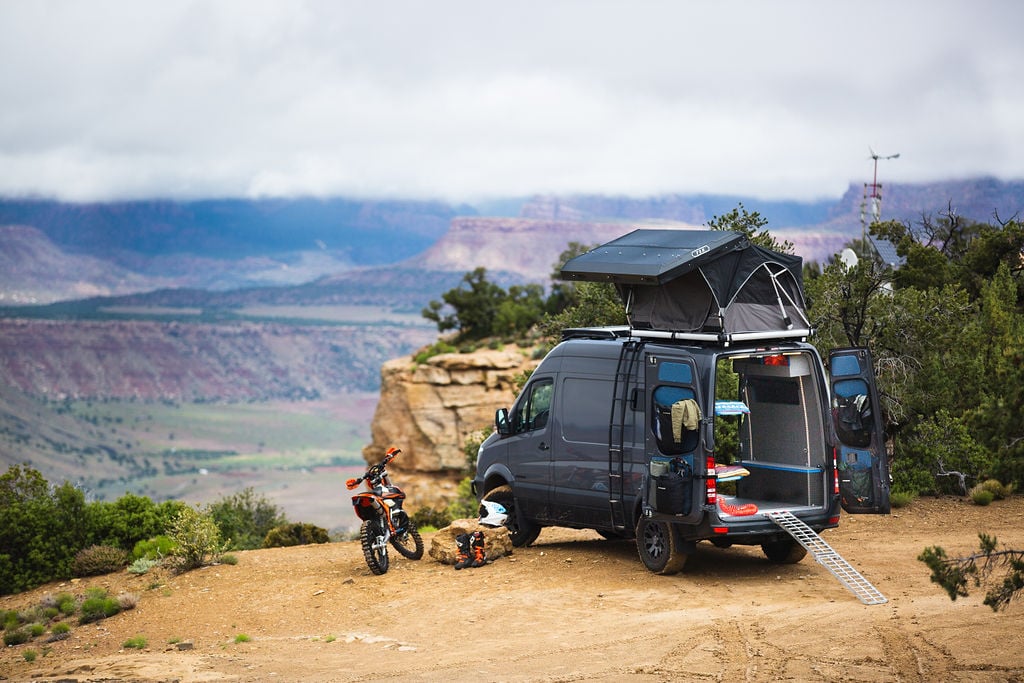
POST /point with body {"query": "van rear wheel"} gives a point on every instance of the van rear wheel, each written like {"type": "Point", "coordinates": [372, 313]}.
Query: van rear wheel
{"type": "Point", "coordinates": [659, 547]}
{"type": "Point", "coordinates": [521, 532]}
{"type": "Point", "coordinates": [786, 551]}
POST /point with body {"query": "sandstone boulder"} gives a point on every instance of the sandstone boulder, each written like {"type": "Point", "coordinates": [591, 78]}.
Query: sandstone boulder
{"type": "Point", "coordinates": [430, 409]}
{"type": "Point", "coordinates": [444, 549]}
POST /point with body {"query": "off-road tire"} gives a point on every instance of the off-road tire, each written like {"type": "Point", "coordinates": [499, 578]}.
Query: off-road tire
{"type": "Point", "coordinates": [376, 558]}
{"type": "Point", "coordinates": [521, 532]}
{"type": "Point", "coordinates": [786, 551]}
{"type": "Point", "coordinates": [410, 544]}
{"type": "Point", "coordinates": [659, 547]}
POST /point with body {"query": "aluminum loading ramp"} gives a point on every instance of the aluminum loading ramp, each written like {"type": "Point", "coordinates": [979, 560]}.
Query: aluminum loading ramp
{"type": "Point", "coordinates": [825, 555]}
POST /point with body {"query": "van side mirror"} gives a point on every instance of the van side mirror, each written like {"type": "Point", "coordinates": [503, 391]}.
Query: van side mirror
{"type": "Point", "coordinates": [501, 422]}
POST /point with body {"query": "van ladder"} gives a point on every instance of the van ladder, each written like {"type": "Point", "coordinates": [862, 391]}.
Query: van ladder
{"type": "Point", "coordinates": [825, 555]}
{"type": "Point", "coordinates": [624, 373]}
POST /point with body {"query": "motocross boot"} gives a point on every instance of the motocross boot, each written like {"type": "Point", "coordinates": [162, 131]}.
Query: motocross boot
{"type": "Point", "coordinates": [479, 556]}
{"type": "Point", "coordinates": [463, 555]}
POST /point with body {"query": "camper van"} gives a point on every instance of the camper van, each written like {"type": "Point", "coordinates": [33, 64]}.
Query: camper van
{"type": "Point", "coordinates": [708, 418]}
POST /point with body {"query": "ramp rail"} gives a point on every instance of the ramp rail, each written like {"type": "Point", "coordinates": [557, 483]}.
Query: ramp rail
{"type": "Point", "coordinates": [828, 557]}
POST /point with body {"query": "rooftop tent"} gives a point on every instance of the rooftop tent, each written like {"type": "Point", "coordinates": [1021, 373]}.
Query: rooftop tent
{"type": "Point", "coordinates": [708, 284]}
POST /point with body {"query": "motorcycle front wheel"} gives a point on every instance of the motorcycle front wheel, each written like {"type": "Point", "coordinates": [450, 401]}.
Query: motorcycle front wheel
{"type": "Point", "coordinates": [409, 544]}
{"type": "Point", "coordinates": [376, 557]}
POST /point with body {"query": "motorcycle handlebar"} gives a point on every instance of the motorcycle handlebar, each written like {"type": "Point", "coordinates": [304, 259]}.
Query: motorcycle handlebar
{"type": "Point", "coordinates": [388, 457]}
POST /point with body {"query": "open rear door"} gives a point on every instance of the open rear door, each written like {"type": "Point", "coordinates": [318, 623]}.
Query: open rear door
{"type": "Point", "coordinates": [862, 461]}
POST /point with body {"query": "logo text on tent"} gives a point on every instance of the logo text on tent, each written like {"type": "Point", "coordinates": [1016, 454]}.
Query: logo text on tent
{"type": "Point", "coordinates": [700, 250]}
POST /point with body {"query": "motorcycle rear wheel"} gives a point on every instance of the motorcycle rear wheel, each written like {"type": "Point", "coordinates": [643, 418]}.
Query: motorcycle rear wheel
{"type": "Point", "coordinates": [376, 558]}
{"type": "Point", "coordinates": [410, 544]}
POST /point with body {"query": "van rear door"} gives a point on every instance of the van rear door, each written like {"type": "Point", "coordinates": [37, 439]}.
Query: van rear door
{"type": "Point", "coordinates": [672, 436]}
{"type": "Point", "coordinates": [861, 458]}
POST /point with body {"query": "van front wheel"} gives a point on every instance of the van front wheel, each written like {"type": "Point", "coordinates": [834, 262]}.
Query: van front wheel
{"type": "Point", "coordinates": [521, 532]}
{"type": "Point", "coordinates": [659, 547]}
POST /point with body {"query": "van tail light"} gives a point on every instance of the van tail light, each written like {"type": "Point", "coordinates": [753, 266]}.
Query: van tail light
{"type": "Point", "coordinates": [711, 490]}
{"type": "Point", "coordinates": [835, 472]}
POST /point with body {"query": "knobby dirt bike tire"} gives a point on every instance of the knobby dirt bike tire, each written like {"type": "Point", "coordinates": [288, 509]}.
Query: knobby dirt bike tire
{"type": "Point", "coordinates": [410, 544]}
{"type": "Point", "coordinates": [376, 558]}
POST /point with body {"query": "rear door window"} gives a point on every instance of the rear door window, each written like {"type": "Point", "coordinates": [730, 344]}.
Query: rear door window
{"type": "Point", "coordinates": [675, 412]}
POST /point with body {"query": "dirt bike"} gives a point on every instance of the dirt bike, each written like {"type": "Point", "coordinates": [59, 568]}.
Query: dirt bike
{"type": "Point", "coordinates": [384, 520]}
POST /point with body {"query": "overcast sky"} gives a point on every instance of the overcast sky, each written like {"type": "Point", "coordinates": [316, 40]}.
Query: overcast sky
{"type": "Point", "coordinates": [469, 100]}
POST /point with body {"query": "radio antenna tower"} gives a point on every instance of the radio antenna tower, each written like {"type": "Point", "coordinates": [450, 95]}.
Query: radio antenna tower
{"type": "Point", "coordinates": [874, 196]}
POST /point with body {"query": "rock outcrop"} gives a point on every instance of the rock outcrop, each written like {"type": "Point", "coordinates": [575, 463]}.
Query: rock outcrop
{"type": "Point", "coordinates": [429, 409]}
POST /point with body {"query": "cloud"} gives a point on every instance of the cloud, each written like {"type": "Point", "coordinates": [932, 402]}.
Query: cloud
{"type": "Point", "coordinates": [459, 100]}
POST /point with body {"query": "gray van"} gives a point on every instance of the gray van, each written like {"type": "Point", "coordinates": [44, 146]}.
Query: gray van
{"type": "Point", "coordinates": [676, 433]}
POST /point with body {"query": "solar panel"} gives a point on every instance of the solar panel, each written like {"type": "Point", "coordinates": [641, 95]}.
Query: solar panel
{"type": "Point", "coordinates": [886, 251]}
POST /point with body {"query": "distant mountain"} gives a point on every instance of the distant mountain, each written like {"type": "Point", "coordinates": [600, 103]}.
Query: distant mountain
{"type": "Point", "coordinates": [34, 270]}
{"type": "Point", "coordinates": [368, 232]}
{"type": "Point", "coordinates": [234, 252]}
{"type": "Point", "coordinates": [692, 209]}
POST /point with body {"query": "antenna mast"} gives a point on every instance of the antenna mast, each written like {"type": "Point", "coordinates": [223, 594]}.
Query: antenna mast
{"type": "Point", "coordinates": [875, 197]}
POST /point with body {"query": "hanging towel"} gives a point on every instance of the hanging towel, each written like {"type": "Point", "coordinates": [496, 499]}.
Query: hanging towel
{"type": "Point", "coordinates": [685, 415]}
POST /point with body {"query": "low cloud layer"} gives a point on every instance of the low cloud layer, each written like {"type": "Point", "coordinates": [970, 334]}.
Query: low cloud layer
{"type": "Point", "coordinates": [468, 100]}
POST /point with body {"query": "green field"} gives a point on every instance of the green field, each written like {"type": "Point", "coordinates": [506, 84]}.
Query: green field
{"type": "Point", "coordinates": [298, 454]}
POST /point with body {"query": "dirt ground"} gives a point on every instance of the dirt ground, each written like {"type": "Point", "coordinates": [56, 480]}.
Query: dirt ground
{"type": "Point", "coordinates": [572, 607]}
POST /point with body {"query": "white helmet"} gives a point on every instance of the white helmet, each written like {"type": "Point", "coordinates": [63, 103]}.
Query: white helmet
{"type": "Point", "coordinates": [492, 514]}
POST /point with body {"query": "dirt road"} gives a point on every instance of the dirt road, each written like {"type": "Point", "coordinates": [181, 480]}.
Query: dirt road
{"type": "Point", "coordinates": [572, 607]}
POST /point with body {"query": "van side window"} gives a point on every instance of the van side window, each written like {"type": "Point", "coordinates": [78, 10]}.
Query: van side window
{"type": "Point", "coordinates": [675, 414]}
{"type": "Point", "coordinates": [532, 413]}
{"type": "Point", "coordinates": [582, 401]}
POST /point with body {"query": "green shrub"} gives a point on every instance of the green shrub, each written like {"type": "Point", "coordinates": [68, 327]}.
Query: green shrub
{"type": "Point", "coordinates": [982, 496]}
{"type": "Point", "coordinates": [229, 559]}
{"type": "Point", "coordinates": [97, 607]}
{"type": "Point", "coordinates": [900, 499]}
{"type": "Point", "coordinates": [242, 638]}
{"type": "Point", "coordinates": [197, 539]}
{"type": "Point", "coordinates": [41, 529]}
{"type": "Point", "coordinates": [10, 620]}
{"type": "Point", "coordinates": [999, 491]}
{"type": "Point", "coordinates": [465, 504]}
{"type": "Point", "coordinates": [17, 636]}
{"type": "Point", "coordinates": [29, 655]}
{"type": "Point", "coordinates": [435, 349]}
{"type": "Point", "coordinates": [37, 630]}
{"type": "Point", "coordinates": [155, 548]}
{"type": "Point", "coordinates": [136, 643]}
{"type": "Point", "coordinates": [99, 559]}
{"type": "Point", "coordinates": [66, 603]}
{"type": "Point", "coordinates": [295, 534]}
{"type": "Point", "coordinates": [142, 565]}
{"type": "Point", "coordinates": [60, 628]}
{"type": "Point", "coordinates": [246, 518]}
{"type": "Point", "coordinates": [426, 517]}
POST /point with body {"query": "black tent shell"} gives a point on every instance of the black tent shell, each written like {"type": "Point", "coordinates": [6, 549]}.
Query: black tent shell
{"type": "Point", "coordinates": [700, 284]}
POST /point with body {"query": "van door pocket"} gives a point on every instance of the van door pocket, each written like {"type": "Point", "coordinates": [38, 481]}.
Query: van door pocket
{"type": "Point", "coordinates": [671, 486]}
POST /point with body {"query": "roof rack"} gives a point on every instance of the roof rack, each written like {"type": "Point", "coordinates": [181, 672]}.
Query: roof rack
{"type": "Point", "coordinates": [718, 338]}
{"type": "Point", "coordinates": [608, 332]}
{"type": "Point", "coordinates": [724, 338]}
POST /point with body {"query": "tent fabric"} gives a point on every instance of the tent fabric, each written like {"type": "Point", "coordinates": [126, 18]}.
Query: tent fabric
{"type": "Point", "coordinates": [698, 281]}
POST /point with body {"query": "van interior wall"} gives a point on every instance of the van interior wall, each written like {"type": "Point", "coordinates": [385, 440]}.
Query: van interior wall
{"type": "Point", "coordinates": [782, 439]}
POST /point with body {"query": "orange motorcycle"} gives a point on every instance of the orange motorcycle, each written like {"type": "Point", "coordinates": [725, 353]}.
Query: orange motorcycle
{"type": "Point", "coordinates": [384, 520]}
